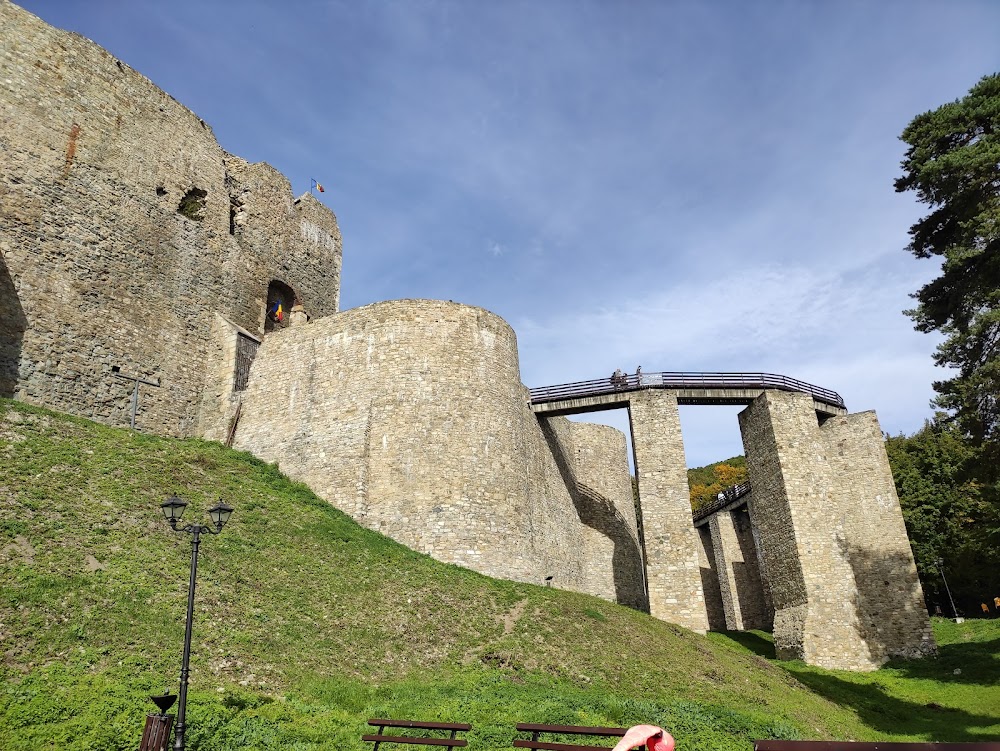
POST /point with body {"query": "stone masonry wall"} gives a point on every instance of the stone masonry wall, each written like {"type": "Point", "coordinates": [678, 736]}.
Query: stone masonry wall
{"type": "Point", "coordinates": [672, 561]}
{"type": "Point", "coordinates": [735, 557]}
{"type": "Point", "coordinates": [806, 510]}
{"type": "Point", "coordinates": [410, 416]}
{"type": "Point", "coordinates": [755, 599]}
{"type": "Point", "coordinates": [603, 496]}
{"type": "Point", "coordinates": [104, 268]}
{"type": "Point", "coordinates": [893, 616]}
{"type": "Point", "coordinates": [714, 609]}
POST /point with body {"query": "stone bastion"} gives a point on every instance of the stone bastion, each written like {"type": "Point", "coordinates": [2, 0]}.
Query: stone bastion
{"type": "Point", "coordinates": [410, 416]}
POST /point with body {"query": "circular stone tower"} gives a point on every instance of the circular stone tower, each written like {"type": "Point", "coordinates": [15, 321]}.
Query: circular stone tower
{"type": "Point", "coordinates": [410, 416]}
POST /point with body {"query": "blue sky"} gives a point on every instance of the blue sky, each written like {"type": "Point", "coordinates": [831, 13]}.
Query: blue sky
{"type": "Point", "coordinates": [686, 186]}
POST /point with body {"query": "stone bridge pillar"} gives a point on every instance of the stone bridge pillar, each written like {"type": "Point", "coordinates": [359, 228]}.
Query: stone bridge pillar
{"type": "Point", "coordinates": [672, 567]}
{"type": "Point", "coordinates": [744, 600]}
{"type": "Point", "coordinates": [821, 502]}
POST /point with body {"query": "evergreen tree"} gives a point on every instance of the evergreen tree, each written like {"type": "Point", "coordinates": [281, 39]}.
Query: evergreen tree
{"type": "Point", "coordinates": [953, 166]}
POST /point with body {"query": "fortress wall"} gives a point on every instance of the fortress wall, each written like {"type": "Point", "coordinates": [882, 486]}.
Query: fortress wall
{"type": "Point", "coordinates": [812, 584]}
{"type": "Point", "coordinates": [612, 559]}
{"type": "Point", "coordinates": [673, 567]}
{"type": "Point", "coordinates": [410, 416]}
{"type": "Point", "coordinates": [771, 509]}
{"type": "Point", "coordinates": [894, 619]}
{"type": "Point", "coordinates": [553, 543]}
{"type": "Point", "coordinates": [736, 593]}
{"type": "Point", "coordinates": [295, 241]}
{"type": "Point", "coordinates": [810, 501]}
{"type": "Point", "coordinates": [105, 271]}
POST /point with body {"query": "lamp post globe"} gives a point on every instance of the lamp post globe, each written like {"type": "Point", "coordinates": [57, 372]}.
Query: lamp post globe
{"type": "Point", "coordinates": [220, 514]}
{"type": "Point", "coordinates": [173, 509]}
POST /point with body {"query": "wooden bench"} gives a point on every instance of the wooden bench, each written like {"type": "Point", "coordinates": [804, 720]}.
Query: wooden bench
{"type": "Point", "coordinates": [869, 746]}
{"type": "Point", "coordinates": [452, 728]}
{"type": "Point", "coordinates": [536, 730]}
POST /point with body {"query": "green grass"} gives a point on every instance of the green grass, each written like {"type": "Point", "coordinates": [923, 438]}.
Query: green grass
{"type": "Point", "coordinates": [306, 624]}
{"type": "Point", "coordinates": [954, 696]}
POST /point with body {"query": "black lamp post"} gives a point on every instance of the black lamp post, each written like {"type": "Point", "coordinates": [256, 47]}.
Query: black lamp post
{"type": "Point", "coordinates": [173, 508]}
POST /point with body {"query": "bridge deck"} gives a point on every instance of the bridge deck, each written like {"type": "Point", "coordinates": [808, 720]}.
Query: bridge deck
{"type": "Point", "coordinates": [690, 388]}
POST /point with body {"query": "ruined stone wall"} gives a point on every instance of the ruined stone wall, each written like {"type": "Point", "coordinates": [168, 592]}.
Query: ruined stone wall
{"type": "Point", "coordinates": [810, 510]}
{"type": "Point", "coordinates": [104, 266]}
{"type": "Point", "coordinates": [410, 416]}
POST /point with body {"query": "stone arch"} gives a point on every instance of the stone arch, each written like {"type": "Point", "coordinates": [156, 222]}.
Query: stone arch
{"type": "Point", "coordinates": [280, 299]}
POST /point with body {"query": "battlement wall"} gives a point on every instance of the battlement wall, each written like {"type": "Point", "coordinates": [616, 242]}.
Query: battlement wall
{"type": "Point", "coordinates": [124, 228]}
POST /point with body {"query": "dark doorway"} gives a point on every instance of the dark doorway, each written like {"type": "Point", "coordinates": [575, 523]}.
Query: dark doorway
{"type": "Point", "coordinates": [280, 299]}
{"type": "Point", "coordinates": [13, 323]}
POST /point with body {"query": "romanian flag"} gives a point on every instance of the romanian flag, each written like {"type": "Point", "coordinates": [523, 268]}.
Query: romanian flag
{"type": "Point", "coordinates": [277, 313]}
{"type": "Point", "coordinates": [317, 186]}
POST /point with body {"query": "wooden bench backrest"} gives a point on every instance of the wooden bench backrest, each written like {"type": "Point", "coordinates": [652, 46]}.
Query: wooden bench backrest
{"type": "Point", "coordinates": [452, 741]}
{"type": "Point", "coordinates": [536, 730]}
{"type": "Point", "coordinates": [871, 746]}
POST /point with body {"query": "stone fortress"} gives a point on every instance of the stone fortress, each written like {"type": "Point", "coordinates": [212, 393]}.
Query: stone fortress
{"type": "Point", "coordinates": [140, 265]}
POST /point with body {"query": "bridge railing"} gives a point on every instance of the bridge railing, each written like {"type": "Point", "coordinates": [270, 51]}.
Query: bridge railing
{"type": "Point", "coordinates": [727, 496]}
{"type": "Point", "coordinates": [670, 380]}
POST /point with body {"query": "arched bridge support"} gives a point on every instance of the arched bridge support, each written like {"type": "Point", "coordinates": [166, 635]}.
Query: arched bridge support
{"type": "Point", "coordinates": [671, 541]}
{"type": "Point", "coordinates": [835, 552]}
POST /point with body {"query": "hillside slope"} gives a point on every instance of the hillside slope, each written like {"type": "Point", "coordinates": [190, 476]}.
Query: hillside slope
{"type": "Point", "coordinates": [307, 624]}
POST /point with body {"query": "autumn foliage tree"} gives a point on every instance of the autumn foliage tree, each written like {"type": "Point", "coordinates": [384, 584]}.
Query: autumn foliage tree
{"type": "Point", "coordinates": [705, 483]}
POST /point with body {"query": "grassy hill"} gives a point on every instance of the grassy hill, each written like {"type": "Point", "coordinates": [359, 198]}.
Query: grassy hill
{"type": "Point", "coordinates": [307, 624]}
